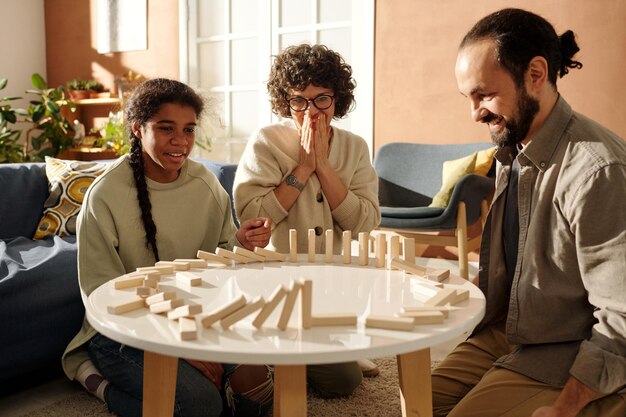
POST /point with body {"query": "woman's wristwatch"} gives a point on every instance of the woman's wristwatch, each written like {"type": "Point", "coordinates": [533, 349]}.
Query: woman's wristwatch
{"type": "Point", "coordinates": [293, 181]}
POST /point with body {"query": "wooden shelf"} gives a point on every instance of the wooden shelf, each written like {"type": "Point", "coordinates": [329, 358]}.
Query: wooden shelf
{"type": "Point", "coordinates": [97, 101]}
{"type": "Point", "coordinates": [87, 154]}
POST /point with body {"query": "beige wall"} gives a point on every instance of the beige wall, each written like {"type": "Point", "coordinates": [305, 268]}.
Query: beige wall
{"type": "Point", "coordinates": [71, 49]}
{"type": "Point", "coordinates": [415, 95]}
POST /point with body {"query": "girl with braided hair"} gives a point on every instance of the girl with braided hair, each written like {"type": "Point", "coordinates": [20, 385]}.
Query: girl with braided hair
{"type": "Point", "coordinates": [156, 204]}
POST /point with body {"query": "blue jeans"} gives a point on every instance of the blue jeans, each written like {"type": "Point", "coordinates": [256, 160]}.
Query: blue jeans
{"type": "Point", "coordinates": [196, 396]}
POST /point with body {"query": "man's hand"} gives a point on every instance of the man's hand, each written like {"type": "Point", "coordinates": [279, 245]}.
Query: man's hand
{"type": "Point", "coordinates": [213, 371]}
{"type": "Point", "coordinates": [574, 397]}
{"type": "Point", "coordinates": [255, 232]}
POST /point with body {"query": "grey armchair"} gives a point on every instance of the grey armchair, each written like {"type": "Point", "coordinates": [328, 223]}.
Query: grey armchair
{"type": "Point", "coordinates": [410, 175]}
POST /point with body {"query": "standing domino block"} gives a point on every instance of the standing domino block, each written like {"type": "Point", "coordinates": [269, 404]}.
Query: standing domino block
{"type": "Point", "coordinates": [424, 317]}
{"type": "Point", "coordinates": [211, 257]}
{"type": "Point", "coordinates": [442, 298]}
{"type": "Point", "coordinates": [394, 248]}
{"type": "Point", "coordinates": [226, 310]}
{"type": "Point", "coordinates": [311, 246]}
{"type": "Point", "coordinates": [363, 248]}
{"type": "Point", "coordinates": [186, 310]}
{"type": "Point", "coordinates": [271, 304]}
{"type": "Point", "coordinates": [290, 301]}
{"type": "Point", "coordinates": [248, 309]}
{"type": "Point", "coordinates": [188, 278]}
{"type": "Point", "coordinates": [125, 307]}
{"type": "Point", "coordinates": [187, 328]}
{"type": "Point", "coordinates": [248, 254]}
{"type": "Point", "coordinates": [270, 254]}
{"type": "Point", "coordinates": [381, 246]}
{"type": "Point", "coordinates": [162, 269]}
{"type": "Point", "coordinates": [161, 296]}
{"type": "Point", "coordinates": [178, 265]}
{"type": "Point", "coordinates": [328, 258]}
{"type": "Point", "coordinates": [326, 320]}
{"type": "Point", "coordinates": [346, 242]}
{"type": "Point", "coordinates": [232, 255]}
{"type": "Point", "coordinates": [307, 302]}
{"type": "Point", "coordinates": [293, 245]}
{"type": "Point", "coordinates": [408, 249]}
{"type": "Point", "coordinates": [194, 263]}
{"type": "Point", "coordinates": [165, 306]}
{"type": "Point", "coordinates": [390, 323]}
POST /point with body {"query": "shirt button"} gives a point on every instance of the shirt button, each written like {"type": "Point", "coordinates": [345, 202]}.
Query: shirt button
{"type": "Point", "coordinates": [318, 231]}
{"type": "Point", "coordinates": [319, 197]}
{"type": "Point", "coordinates": [542, 164]}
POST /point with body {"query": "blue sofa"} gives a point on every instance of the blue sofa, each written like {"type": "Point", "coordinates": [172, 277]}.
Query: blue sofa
{"type": "Point", "coordinates": [40, 303]}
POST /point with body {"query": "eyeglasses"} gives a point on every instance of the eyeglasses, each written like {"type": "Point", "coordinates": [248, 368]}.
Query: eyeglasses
{"type": "Point", "coordinates": [321, 102]}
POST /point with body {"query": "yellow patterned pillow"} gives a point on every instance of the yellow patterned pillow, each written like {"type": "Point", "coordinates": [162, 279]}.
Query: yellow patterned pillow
{"type": "Point", "coordinates": [453, 171]}
{"type": "Point", "coordinates": [69, 181]}
{"type": "Point", "coordinates": [484, 159]}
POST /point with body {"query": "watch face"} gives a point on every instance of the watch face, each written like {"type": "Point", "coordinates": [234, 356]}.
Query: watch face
{"type": "Point", "coordinates": [291, 180]}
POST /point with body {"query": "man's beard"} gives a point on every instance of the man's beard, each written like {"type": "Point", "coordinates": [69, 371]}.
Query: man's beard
{"type": "Point", "coordinates": [516, 129]}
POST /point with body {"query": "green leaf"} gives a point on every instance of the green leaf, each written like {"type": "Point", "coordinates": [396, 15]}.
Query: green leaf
{"type": "Point", "coordinates": [3, 83]}
{"type": "Point", "coordinates": [38, 81]}
{"type": "Point", "coordinates": [53, 107]}
{"type": "Point", "coordinates": [10, 117]}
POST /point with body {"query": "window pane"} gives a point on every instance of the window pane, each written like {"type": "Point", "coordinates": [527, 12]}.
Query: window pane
{"type": "Point", "coordinates": [295, 13]}
{"type": "Point", "coordinates": [219, 152]}
{"type": "Point", "coordinates": [334, 11]}
{"type": "Point", "coordinates": [210, 18]}
{"type": "Point", "coordinates": [214, 123]}
{"type": "Point", "coordinates": [211, 59]}
{"type": "Point", "coordinates": [339, 40]}
{"type": "Point", "coordinates": [289, 39]}
{"type": "Point", "coordinates": [245, 113]}
{"type": "Point", "coordinates": [243, 15]}
{"type": "Point", "coordinates": [244, 61]}
{"type": "Point", "coordinates": [237, 149]}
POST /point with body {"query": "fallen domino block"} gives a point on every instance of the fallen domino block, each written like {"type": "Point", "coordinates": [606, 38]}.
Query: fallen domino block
{"type": "Point", "coordinates": [187, 329]}
{"type": "Point", "coordinates": [270, 306]}
{"type": "Point", "coordinates": [442, 309]}
{"type": "Point", "coordinates": [226, 310]}
{"type": "Point", "coordinates": [248, 309]}
{"type": "Point", "coordinates": [443, 297]}
{"type": "Point", "coordinates": [145, 291]}
{"type": "Point", "coordinates": [439, 274]}
{"type": "Point", "coordinates": [249, 254]}
{"type": "Point", "coordinates": [325, 320]}
{"type": "Point", "coordinates": [307, 302]}
{"type": "Point", "coordinates": [178, 265]}
{"type": "Point", "coordinates": [194, 263]}
{"type": "Point", "coordinates": [188, 278]}
{"type": "Point", "coordinates": [270, 254]}
{"type": "Point", "coordinates": [127, 306]}
{"type": "Point", "coordinates": [211, 257]}
{"type": "Point", "coordinates": [186, 310]}
{"type": "Point", "coordinates": [167, 305]}
{"type": "Point", "coordinates": [232, 255]}
{"type": "Point", "coordinates": [162, 269]}
{"type": "Point", "coordinates": [290, 301]}
{"type": "Point", "coordinates": [424, 317]}
{"type": "Point", "coordinates": [390, 323]}
{"type": "Point", "coordinates": [161, 296]}
{"type": "Point", "coordinates": [410, 267]}
{"type": "Point", "coordinates": [462, 294]}
{"type": "Point", "coordinates": [128, 282]}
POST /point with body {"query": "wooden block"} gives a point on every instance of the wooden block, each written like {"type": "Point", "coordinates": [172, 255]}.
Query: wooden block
{"type": "Point", "coordinates": [188, 278]}
{"type": "Point", "coordinates": [438, 274]}
{"type": "Point", "coordinates": [162, 269]}
{"type": "Point", "coordinates": [389, 322]}
{"type": "Point", "coordinates": [248, 254]}
{"type": "Point", "coordinates": [290, 301]}
{"type": "Point", "coordinates": [424, 317]}
{"type": "Point", "coordinates": [227, 309]}
{"type": "Point", "coordinates": [346, 243]}
{"type": "Point", "coordinates": [194, 263]}
{"type": "Point", "coordinates": [325, 320]}
{"type": "Point", "coordinates": [410, 267]}
{"type": "Point", "coordinates": [232, 255]}
{"type": "Point", "coordinates": [330, 236]}
{"type": "Point", "coordinates": [380, 249]}
{"type": "Point", "coordinates": [394, 247]}
{"type": "Point", "coordinates": [145, 291]}
{"type": "Point", "coordinates": [408, 249]}
{"type": "Point", "coordinates": [372, 242]}
{"type": "Point", "coordinates": [311, 246]}
{"type": "Point", "coordinates": [187, 328]}
{"type": "Point", "coordinates": [307, 302]}
{"type": "Point", "coordinates": [293, 245]}
{"type": "Point", "coordinates": [186, 310]}
{"type": "Point", "coordinates": [128, 282]}
{"type": "Point", "coordinates": [167, 305]}
{"type": "Point", "coordinates": [151, 282]}
{"type": "Point", "coordinates": [270, 254]}
{"type": "Point", "coordinates": [125, 307]}
{"type": "Point", "coordinates": [363, 248]}
{"type": "Point", "coordinates": [416, 309]}
{"type": "Point", "coordinates": [425, 291]}
{"type": "Point", "coordinates": [246, 310]}
{"type": "Point", "coordinates": [269, 306]}
{"type": "Point", "coordinates": [161, 296]}
{"type": "Point", "coordinates": [211, 257]}
{"type": "Point", "coordinates": [462, 294]}
{"type": "Point", "coordinates": [149, 271]}
{"type": "Point", "coordinates": [442, 298]}
{"type": "Point", "coordinates": [178, 265]}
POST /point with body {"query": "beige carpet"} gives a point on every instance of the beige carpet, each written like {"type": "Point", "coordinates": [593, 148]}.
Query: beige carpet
{"type": "Point", "coordinates": [375, 397]}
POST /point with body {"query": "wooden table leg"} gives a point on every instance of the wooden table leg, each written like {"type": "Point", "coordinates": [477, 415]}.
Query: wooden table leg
{"type": "Point", "coordinates": [415, 385]}
{"type": "Point", "coordinates": [159, 384]}
{"type": "Point", "coordinates": [290, 391]}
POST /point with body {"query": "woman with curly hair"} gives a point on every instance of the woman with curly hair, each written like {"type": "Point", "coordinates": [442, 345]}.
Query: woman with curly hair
{"type": "Point", "coordinates": [156, 204]}
{"type": "Point", "coordinates": [304, 174]}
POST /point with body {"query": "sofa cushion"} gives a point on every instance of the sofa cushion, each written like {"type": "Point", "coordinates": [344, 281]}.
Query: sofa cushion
{"type": "Point", "coordinates": [69, 181]}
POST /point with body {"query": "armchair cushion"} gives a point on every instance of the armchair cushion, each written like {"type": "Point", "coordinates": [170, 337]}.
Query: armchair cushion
{"type": "Point", "coordinates": [453, 171]}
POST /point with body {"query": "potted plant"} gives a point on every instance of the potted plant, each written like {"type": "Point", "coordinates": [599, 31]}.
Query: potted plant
{"type": "Point", "coordinates": [97, 90]}
{"type": "Point", "coordinates": [78, 89]}
{"type": "Point", "coordinates": [10, 149]}
{"type": "Point", "coordinates": [113, 134]}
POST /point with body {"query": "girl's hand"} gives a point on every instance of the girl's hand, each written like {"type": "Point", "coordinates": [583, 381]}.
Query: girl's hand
{"type": "Point", "coordinates": [255, 232]}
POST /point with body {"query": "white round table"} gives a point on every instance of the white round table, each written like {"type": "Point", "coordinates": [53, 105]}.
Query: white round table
{"type": "Point", "coordinates": [337, 289]}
